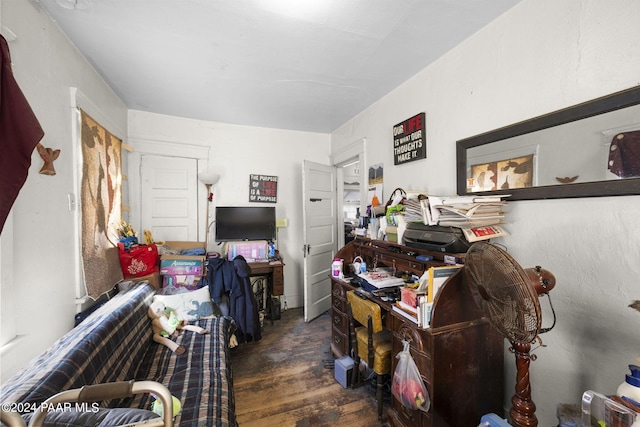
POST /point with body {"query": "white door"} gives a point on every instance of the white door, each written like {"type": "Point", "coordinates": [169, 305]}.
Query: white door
{"type": "Point", "coordinates": [320, 235]}
{"type": "Point", "coordinates": [169, 203]}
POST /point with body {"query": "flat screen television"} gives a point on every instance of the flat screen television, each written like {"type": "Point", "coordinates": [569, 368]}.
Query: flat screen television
{"type": "Point", "coordinates": [237, 223]}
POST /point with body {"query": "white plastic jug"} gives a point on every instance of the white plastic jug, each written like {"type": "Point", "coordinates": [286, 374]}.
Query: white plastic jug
{"type": "Point", "coordinates": [630, 388]}
{"type": "Point", "coordinates": [336, 268]}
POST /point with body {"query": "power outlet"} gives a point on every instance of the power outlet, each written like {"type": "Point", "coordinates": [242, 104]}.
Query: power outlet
{"type": "Point", "coordinates": [71, 200]}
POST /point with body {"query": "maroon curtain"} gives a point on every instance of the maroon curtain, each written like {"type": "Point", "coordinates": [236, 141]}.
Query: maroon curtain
{"type": "Point", "coordinates": [20, 132]}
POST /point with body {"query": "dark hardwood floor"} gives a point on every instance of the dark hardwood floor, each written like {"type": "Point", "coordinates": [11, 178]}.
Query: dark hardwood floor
{"type": "Point", "coordinates": [286, 379]}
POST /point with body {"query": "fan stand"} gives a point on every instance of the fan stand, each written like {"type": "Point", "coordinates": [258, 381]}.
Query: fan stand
{"type": "Point", "coordinates": [523, 409]}
{"type": "Point", "coordinates": [509, 297]}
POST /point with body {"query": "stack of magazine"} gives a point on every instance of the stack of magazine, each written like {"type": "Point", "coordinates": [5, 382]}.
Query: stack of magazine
{"type": "Point", "coordinates": [420, 315]}
{"type": "Point", "coordinates": [381, 278]}
{"type": "Point", "coordinates": [479, 217]}
{"type": "Point", "coordinates": [412, 210]}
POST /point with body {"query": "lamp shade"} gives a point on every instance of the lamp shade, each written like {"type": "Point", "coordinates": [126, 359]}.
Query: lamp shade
{"type": "Point", "coordinates": [208, 178]}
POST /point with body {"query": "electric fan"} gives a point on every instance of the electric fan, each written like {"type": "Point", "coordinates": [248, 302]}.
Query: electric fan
{"type": "Point", "coordinates": [508, 295]}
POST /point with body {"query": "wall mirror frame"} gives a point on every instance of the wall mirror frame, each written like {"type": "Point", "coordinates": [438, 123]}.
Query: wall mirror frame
{"type": "Point", "coordinates": [589, 110]}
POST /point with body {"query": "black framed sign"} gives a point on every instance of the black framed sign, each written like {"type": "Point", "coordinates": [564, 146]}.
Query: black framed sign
{"type": "Point", "coordinates": [410, 140]}
{"type": "Point", "coordinates": [263, 188]}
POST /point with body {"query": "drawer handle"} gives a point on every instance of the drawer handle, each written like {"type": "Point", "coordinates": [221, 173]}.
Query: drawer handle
{"type": "Point", "coordinates": [337, 320]}
{"type": "Point", "coordinates": [337, 304]}
{"type": "Point", "coordinates": [337, 339]}
{"type": "Point", "coordinates": [336, 292]}
{"type": "Point", "coordinates": [408, 413]}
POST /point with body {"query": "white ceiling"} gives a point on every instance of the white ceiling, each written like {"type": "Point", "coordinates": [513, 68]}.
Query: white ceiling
{"type": "Point", "coordinates": [261, 62]}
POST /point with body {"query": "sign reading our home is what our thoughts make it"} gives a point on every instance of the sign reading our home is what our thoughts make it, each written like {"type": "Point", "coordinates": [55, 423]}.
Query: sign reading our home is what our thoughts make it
{"type": "Point", "coordinates": [409, 140]}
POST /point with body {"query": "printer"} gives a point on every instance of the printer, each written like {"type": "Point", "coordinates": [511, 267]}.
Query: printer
{"type": "Point", "coordinates": [435, 238]}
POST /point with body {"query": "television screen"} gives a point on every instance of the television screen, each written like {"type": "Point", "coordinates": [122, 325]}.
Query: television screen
{"type": "Point", "coordinates": [235, 223]}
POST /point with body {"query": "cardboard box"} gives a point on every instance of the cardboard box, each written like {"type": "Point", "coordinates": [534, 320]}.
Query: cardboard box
{"type": "Point", "coordinates": [252, 251]}
{"type": "Point", "coordinates": [193, 265]}
{"type": "Point", "coordinates": [342, 370]}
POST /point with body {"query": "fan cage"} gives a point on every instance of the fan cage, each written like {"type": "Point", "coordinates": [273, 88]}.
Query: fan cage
{"type": "Point", "coordinates": [504, 292]}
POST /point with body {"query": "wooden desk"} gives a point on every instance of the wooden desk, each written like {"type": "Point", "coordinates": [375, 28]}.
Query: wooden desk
{"type": "Point", "coordinates": [274, 273]}
{"type": "Point", "coordinates": [275, 280]}
{"type": "Point", "coordinates": [460, 356]}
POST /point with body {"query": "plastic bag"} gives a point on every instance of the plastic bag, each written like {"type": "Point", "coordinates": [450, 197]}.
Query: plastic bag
{"type": "Point", "coordinates": [407, 385]}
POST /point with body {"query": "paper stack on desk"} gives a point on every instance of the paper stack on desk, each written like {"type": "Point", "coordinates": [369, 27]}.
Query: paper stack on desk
{"type": "Point", "coordinates": [479, 217]}
{"type": "Point", "coordinates": [381, 278]}
{"type": "Point", "coordinates": [412, 210]}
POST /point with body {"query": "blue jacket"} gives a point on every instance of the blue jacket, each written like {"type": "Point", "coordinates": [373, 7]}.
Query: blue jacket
{"type": "Point", "coordinates": [231, 278]}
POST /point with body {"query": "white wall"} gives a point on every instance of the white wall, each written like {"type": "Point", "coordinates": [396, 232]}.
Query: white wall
{"type": "Point", "coordinates": [44, 240]}
{"type": "Point", "coordinates": [541, 56]}
{"type": "Point", "coordinates": [235, 152]}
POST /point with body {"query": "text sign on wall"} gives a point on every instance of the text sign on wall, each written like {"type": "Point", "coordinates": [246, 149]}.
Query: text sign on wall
{"type": "Point", "coordinates": [409, 140]}
{"type": "Point", "coordinates": [263, 188]}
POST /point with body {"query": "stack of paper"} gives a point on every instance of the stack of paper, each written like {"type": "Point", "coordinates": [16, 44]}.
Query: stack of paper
{"type": "Point", "coordinates": [420, 315]}
{"type": "Point", "coordinates": [412, 210]}
{"type": "Point", "coordinates": [381, 278]}
{"type": "Point", "coordinates": [479, 217]}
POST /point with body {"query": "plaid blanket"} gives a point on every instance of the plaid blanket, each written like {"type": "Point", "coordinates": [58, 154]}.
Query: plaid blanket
{"type": "Point", "coordinates": [200, 378]}
{"type": "Point", "coordinates": [115, 344]}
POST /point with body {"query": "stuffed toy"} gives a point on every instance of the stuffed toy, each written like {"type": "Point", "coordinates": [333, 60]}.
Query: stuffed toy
{"type": "Point", "coordinates": [156, 406]}
{"type": "Point", "coordinates": [166, 325]}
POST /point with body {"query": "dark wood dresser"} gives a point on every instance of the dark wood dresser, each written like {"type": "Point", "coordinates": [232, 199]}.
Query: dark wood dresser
{"type": "Point", "coordinates": [460, 356]}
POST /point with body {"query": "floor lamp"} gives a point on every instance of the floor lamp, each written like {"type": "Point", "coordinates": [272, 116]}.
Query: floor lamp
{"type": "Point", "coordinates": [209, 180]}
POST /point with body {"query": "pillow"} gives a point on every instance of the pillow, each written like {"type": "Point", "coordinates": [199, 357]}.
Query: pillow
{"type": "Point", "coordinates": [98, 417]}
{"type": "Point", "coordinates": [189, 306]}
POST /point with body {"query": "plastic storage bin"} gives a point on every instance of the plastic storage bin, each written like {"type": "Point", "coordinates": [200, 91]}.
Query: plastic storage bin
{"type": "Point", "coordinates": [598, 409]}
{"type": "Point", "coordinates": [342, 370]}
{"type": "Point", "coordinates": [493, 420]}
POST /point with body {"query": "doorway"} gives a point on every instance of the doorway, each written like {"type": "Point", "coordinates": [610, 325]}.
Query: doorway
{"type": "Point", "coordinates": [351, 196]}
{"type": "Point", "coordinates": [350, 163]}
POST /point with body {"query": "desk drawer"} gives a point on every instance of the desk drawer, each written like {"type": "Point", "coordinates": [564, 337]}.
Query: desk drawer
{"type": "Point", "coordinates": [339, 304]}
{"type": "Point", "coordinates": [408, 417]}
{"type": "Point", "coordinates": [340, 321]}
{"type": "Point", "coordinates": [337, 290]}
{"type": "Point", "coordinates": [412, 266]}
{"type": "Point", "coordinates": [340, 341]}
{"type": "Point", "coordinates": [402, 264]}
{"type": "Point", "coordinates": [278, 281]}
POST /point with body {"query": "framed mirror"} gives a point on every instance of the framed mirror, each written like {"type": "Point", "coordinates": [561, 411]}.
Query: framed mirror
{"type": "Point", "coordinates": [587, 150]}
